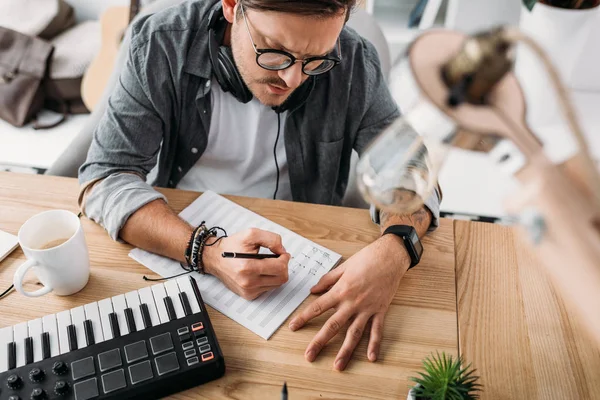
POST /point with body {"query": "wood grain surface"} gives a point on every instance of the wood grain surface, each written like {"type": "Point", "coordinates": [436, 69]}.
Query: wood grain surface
{"type": "Point", "coordinates": [512, 325]}
{"type": "Point", "coordinates": [421, 320]}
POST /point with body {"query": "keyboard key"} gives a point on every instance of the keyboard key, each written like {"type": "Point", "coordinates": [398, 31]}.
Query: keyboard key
{"type": "Point", "coordinates": [113, 381]}
{"type": "Point", "coordinates": [136, 351]}
{"type": "Point", "coordinates": [185, 286]}
{"type": "Point", "coordinates": [49, 326]}
{"type": "Point", "coordinates": [105, 308]}
{"type": "Point", "coordinates": [35, 333]}
{"type": "Point", "coordinates": [187, 345]}
{"type": "Point", "coordinates": [72, 337]}
{"type": "Point", "coordinates": [12, 355]}
{"type": "Point", "coordinates": [28, 350]}
{"type": "Point", "coordinates": [114, 325]}
{"type": "Point", "coordinates": [146, 316]}
{"type": "Point", "coordinates": [20, 332]}
{"type": "Point", "coordinates": [183, 331]}
{"type": "Point", "coordinates": [197, 326]}
{"type": "Point", "coordinates": [166, 363]}
{"type": "Point", "coordinates": [173, 293]}
{"type": "Point", "coordinates": [140, 372]}
{"type": "Point", "coordinates": [86, 390]}
{"type": "Point", "coordinates": [192, 361]}
{"type": "Point", "coordinates": [63, 319]}
{"type": "Point", "coordinates": [78, 319]}
{"type": "Point", "coordinates": [133, 302]}
{"type": "Point", "coordinates": [88, 327]}
{"type": "Point", "coordinates": [189, 353]}
{"type": "Point", "coordinates": [201, 341]}
{"type": "Point", "coordinates": [170, 309]}
{"type": "Point", "coordinates": [83, 368]}
{"type": "Point", "coordinates": [119, 306]}
{"type": "Point", "coordinates": [204, 349]}
{"type": "Point", "coordinates": [161, 343]}
{"type": "Point", "coordinates": [147, 297]}
{"type": "Point", "coordinates": [207, 356]}
{"type": "Point", "coordinates": [109, 360]}
{"type": "Point", "coordinates": [46, 353]}
{"type": "Point", "coordinates": [185, 337]}
{"type": "Point", "coordinates": [6, 337]}
{"type": "Point", "coordinates": [130, 320]}
{"type": "Point", "coordinates": [187, 309]}
{"type": "Point", "coordinates": [93, 314]}
{"type": "Point", "coordinates": [159, 294]}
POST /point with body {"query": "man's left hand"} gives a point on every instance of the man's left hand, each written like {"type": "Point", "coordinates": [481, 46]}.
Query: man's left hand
{"type": "Point", "coordinates": [360, 290]}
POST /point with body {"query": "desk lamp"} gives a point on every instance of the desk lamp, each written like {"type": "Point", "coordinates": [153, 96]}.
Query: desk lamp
{"type": "Point", "coordinates": [467, 97]}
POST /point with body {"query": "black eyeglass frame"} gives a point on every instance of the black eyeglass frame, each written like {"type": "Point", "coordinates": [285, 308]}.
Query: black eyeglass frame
{"type": "Point", "coordinates": [292, 60]}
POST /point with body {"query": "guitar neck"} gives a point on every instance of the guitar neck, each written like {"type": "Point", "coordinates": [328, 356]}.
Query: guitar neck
{"type": "Point", "coordinates": [134, 9]}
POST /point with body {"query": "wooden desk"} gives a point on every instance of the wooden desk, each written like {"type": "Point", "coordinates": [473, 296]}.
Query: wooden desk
{"type": "Point", "coordinates": [422, 318]}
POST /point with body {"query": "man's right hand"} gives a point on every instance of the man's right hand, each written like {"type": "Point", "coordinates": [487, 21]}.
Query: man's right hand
{"type": "Point", "coordinates": [246, 277]}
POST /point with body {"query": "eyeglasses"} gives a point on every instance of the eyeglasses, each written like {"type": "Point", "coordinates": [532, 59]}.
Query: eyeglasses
{"type": "Point", "coordinates": [277, 60]}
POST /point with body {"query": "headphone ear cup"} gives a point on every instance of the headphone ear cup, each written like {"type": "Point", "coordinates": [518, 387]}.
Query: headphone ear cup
{"type": "Point", "coordinates": [235, 83]}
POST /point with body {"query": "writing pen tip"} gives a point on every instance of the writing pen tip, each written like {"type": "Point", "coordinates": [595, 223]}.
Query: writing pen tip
{"type": "Point", "coordinates": [285, 387]}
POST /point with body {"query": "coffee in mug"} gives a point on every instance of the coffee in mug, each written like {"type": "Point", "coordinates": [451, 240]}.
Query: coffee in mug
{"type": "Point", "coordinates": [55, 247]}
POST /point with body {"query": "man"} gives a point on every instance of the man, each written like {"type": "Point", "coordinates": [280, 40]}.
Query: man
{"type": "Point", "coordinates": [307, 92]}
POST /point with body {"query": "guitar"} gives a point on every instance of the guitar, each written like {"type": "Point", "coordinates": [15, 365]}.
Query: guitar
{"type": "Point", "coordinates": [114, 22]}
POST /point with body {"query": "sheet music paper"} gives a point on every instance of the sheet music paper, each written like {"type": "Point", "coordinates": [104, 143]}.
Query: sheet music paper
{"type": "Point", "coordinates": [266, 313]}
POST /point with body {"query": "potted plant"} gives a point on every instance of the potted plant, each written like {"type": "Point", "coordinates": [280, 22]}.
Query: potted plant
{"type": "Point", "coordinates": [445, 378]}
{"type": "Point", "coordinates": [567, 32]}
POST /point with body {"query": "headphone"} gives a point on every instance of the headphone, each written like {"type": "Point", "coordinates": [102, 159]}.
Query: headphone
{"type": "Point", "coordinates": [226, 72]}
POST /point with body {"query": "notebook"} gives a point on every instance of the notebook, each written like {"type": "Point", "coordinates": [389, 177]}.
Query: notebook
{"type": "Point", "coordinates": [8, 243]}
{"type": "Point", "coordinates": [265, 314]}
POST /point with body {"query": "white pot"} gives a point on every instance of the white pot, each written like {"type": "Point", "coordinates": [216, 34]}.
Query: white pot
{"type": "Point", "coordinates": [411, 395]}
{"type": "Point", "coordinates": [563, 34]}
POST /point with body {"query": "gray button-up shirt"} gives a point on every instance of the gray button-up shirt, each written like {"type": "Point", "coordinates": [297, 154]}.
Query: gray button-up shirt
{"type": "Point", "coordinates": [160, 111]}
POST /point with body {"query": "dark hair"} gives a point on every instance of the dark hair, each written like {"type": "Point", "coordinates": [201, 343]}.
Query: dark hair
{"type": "Point", "coordinates": [315, 8]}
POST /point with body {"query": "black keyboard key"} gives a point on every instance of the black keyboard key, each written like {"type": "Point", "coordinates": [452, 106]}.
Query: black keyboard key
{"type": "Point", "coordinates": [109, 360]}
{"type": "Point", "coordinates": [72, 336]}
{"type": "Point", "coordinates": [146, 316]}
{"type": "Point", "coordinates": [170, 309]}
{"type": "Point", "coordinates": [113, 381]}
{"type": "Point", "coordinates": [45, 345]}
{"type": "Point", "coordinates": [166, 363]}
{"type": "Point", "coordinates": [12, 355]}
{"type": "Point", "coordinates": [89, 332]}
{"type": "Point", "coordinates": [187, 309]}
{"type": "Point", "coordinates": [28, 350]}
{"type": "Point", "coordinates": [140, 372]}
{"type": "Point", "coordinates": [130, 320]}
{"type": "Point", "coordinates": [114, 325]}
{"type": "Point", "coordinates": [86, 390]}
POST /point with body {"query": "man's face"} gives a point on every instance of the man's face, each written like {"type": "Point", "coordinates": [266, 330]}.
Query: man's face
{"type": "Point", "coordinates": [301, 36]}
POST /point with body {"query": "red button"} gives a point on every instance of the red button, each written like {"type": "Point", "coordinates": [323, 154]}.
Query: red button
{"type": "Point", "coordinates": [197, 326]}
{"type": "Point", "coordinates": [208, 356]}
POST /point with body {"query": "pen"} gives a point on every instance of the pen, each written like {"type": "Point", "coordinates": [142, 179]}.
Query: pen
{"type": "Point", "coordinates": [284, 391]}
{"type": "Point", "coordinates": [227, 254]}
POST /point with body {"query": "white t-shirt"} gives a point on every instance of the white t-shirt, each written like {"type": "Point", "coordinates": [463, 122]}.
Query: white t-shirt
{"type": "Point", "coordinates": [239, 157]}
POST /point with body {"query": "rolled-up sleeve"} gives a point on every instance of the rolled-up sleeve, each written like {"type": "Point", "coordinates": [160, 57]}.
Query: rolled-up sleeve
{"type": "Point", "coordinates": [381, 111]}
{"type": "Point", "coordinates": [124, 149]}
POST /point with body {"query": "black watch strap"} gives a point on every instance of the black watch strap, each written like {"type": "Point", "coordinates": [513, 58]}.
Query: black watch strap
{"type": "Point", "coordinates": [409, 236]}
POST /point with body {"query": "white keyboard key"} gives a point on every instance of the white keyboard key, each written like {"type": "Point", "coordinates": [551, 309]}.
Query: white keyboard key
{"type": "Point", "coordinates": [20, 332]}
{"type": "Point", "coordinates": [105, 307]}
{"type": "Point", "coordinates": [160, 293]}
{"type": "Point", "coordinates": [119, 306]}
{"type": "Point", "coordinates": [133, 302]}
{"type": "Point", "coordinates": [6, 337]}
{"type": "Point", "coordinates": [146, 297]}
{"type": "Point", "coordinates": [50, 326]}
{"type": "Point", "coordinates": [35, 332]}
{"type": "Point", "coordinates": [92, 313]}
{"type": "Point", "coordinates": [63, 320]}
{"type": "Point", "coordinates": [77, 319]}
{"type": "Point", "coordinates": [185, 286]}
{"type": "Point", "coordinates": [173, 293]}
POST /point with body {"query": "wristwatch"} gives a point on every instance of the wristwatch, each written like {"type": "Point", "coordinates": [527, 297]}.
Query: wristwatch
{"type": "Point", "coordinates": [411, 241]}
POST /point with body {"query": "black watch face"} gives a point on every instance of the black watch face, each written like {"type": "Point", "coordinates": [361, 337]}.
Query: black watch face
{"type": "Point", "coordinates": [414, 238]}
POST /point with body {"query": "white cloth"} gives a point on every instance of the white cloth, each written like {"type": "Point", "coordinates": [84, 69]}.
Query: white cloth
{"type": "Point", "coordinates": [239, 157]}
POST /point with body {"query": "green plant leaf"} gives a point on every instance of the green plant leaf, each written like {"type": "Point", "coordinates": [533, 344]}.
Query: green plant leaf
{"type": "Point", "coordinates": [529, 4]}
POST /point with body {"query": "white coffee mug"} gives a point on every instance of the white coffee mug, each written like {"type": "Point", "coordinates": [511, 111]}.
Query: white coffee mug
{"type": "Point", "coordinates": [54, 244]}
